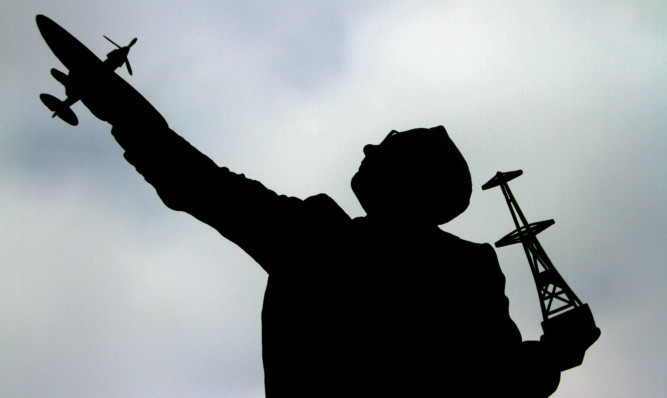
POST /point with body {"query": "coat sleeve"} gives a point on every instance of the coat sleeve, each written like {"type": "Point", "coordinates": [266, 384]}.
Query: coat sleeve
{"type": "Point", "coordinates": [264, 224]}
{"type": "Point", "coordinates": [505, 332]}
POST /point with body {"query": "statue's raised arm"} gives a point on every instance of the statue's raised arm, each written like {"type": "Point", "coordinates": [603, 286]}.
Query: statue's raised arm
{"type": "Point", "coordinates": [241, 209]}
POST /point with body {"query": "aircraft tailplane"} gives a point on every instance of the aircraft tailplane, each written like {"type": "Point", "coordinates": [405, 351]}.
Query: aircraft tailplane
{"type": "Point", "coordinates": [59, 109]}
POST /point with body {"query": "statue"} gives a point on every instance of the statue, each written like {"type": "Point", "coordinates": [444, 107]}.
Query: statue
{"type": "Point", "coordinates": [382, 305]}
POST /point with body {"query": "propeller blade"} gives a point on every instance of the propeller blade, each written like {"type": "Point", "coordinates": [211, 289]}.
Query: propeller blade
{"type": "Point", "coordinates": [132, 42]}
{"type": "Point", "coordinates": [112, 42]}
{"type": "Point", "coordinates": [129, 68]}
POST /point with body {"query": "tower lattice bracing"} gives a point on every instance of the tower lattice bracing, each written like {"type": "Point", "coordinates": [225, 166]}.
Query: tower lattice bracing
{"type": "Point", "coordinates": [566, 322]}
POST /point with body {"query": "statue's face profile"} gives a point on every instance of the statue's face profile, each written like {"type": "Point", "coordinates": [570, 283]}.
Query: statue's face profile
{"type": "Point", "coordinates": [415, 175]}
{"type": "Point", "coordinates": [382, 159]}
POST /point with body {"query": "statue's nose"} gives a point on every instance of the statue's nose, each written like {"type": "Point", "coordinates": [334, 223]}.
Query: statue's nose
{"type": "Point", "coordinates": [370, 149]}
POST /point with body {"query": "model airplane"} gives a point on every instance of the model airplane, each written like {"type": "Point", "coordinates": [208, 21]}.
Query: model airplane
{"type": "Point", "coordinates": [79, 60]}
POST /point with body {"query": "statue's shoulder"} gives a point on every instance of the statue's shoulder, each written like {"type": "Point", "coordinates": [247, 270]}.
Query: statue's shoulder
{"type": "Point", "coordinates": [449, 238]}
{"type": "Point", "coordinates": [465, 248]}
{"type": "Point", "coordinates": [322, 207]}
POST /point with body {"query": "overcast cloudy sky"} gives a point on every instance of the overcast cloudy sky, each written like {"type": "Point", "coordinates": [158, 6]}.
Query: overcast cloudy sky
{"type": "Point", "coordinates": [104, 292]}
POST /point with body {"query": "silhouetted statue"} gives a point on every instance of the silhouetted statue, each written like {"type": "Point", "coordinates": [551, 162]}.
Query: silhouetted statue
{"type": "Point", "coordinates": [382, 305]}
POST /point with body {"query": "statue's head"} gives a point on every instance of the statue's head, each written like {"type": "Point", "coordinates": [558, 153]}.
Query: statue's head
{"type": "Point", "coordinates": [414, 176]}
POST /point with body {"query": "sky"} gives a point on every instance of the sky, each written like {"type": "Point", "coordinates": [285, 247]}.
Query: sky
{"type": "Point", "coordinates": [105, 292]}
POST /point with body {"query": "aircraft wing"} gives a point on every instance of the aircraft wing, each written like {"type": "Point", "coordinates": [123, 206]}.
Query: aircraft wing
{"type": "Point", "coordinates": [70, 51]}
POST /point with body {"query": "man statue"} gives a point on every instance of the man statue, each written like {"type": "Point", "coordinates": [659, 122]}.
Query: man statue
{"type": "Point", "coordinates": [376, 306]}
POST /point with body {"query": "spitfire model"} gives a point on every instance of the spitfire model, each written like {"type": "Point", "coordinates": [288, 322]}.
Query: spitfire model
{"type": "Point", "coordinates": [79, 60]}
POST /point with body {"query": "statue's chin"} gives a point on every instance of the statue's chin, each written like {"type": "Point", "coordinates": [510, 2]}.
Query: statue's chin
{"type": "Point", "coordinates": [357, 188]}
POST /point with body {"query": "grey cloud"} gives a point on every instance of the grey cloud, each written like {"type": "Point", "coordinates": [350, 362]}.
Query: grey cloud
{"type": "Point", "coordinates": [110, 294]}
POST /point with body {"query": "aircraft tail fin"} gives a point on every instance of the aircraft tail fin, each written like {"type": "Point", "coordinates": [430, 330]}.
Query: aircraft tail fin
{"type": "Point", "coordinates": [59, 109]}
